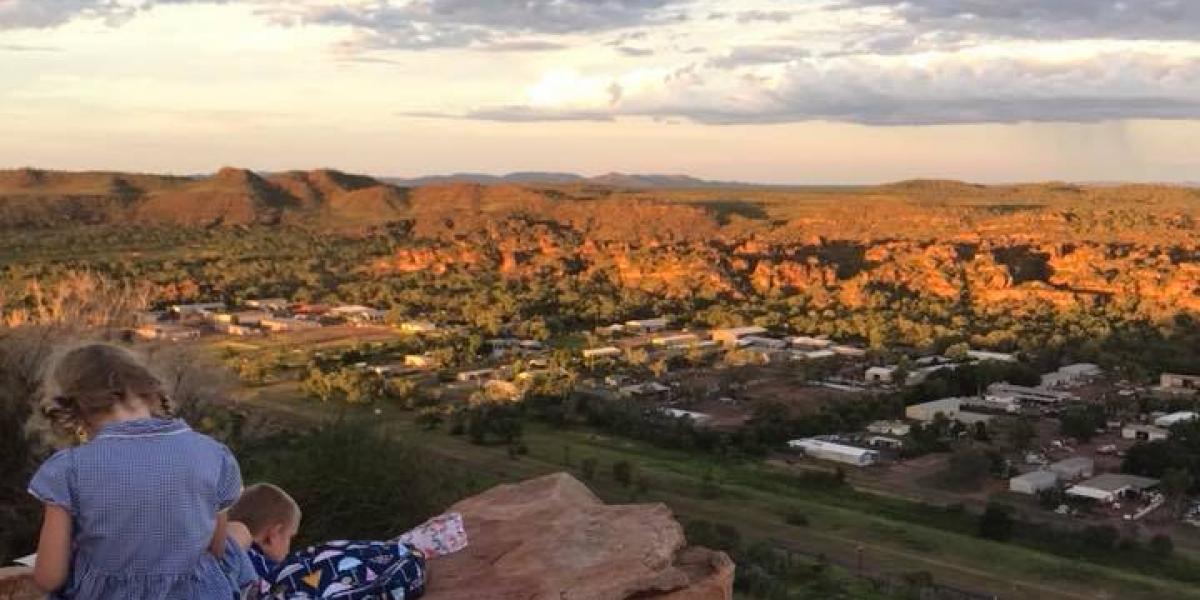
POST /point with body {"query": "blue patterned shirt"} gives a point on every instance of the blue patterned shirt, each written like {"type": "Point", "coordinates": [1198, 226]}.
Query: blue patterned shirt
{"type": "Point", "coordinates": [143, 496]}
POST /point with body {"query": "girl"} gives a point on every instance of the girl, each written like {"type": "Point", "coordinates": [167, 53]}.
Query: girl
{"type": "Point", "coordinates": [137, 511]}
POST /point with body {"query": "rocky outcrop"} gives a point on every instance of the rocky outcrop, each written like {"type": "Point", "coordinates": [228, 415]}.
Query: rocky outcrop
{"type": "Point", "coordinates": [552, 539]}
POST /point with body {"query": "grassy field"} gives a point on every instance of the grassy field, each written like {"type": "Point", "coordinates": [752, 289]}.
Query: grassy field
{"type": "Point", "coordinates": [756, 498]}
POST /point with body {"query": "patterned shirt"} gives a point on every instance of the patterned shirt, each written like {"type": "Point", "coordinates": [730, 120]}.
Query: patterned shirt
{"type": "Point", "coordinates": [143, 496]}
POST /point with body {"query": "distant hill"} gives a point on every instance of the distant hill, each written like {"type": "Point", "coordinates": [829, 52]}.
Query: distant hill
{"type": "Point", "coordinates": [621, 180]}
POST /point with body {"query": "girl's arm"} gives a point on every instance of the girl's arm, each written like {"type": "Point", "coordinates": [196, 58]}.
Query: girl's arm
{"type": "Point", "coordinates": [54, 550]}
{"type": "Point", "coordinates": [217, 545]}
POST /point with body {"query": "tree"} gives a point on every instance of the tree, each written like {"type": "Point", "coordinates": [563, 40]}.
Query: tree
{"type": "Point", "coordinates": [996, 523]}
{"type": "Point", "coordinates": [623, 472]}
{"type": "Point", "coordinates": [1020, 434]}
{"type": "Point", "coordinates": [587, 468]}
{"type": "Point", "coordinates": [1081, 422]}
{"type": "Point", "coordinates": [1162, 545]}
{"type": "Point", "coordinates": [1176, 485]}
{"type": "Point", "coordinates": [958, 352]}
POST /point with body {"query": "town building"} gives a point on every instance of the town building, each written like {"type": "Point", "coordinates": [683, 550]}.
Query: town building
{"type": "Point", "coordinates": [804, 341]}
{"type": "Point", "coordinates": [1072, 376]}
{"type": "Point", "coordinates": [477, 375]}
{"type": "Point", "coordinates": [1033, 482]}
{"type": "Point", "coordinates": [982, 355]}
{"type": "Point", "coordinates": [287, 324]}
{"type": "Point", "coordinates": [167, 332]}
{"type": "Point", "coordinates": [1074, 468]}
{"type": "Point", "coordinates": [730, 336]}
{"type": "Point", "coordinates": [1166, 421]}
{"type": "Point", "coordinates": [269, 304]}
{"type": "Point", "coordinates": [418, 327]}
{"type": "Point", "coordinates": [1029, 395]}
{"type": "Point", "coordinates": [817, 355]}
{"type": "Point", "coordinates": [245, 317]}
{"type": "Point", "coordinates": [763, 342]}
{"type": "Point", "coordinates": [1110, 487]}
{"type": "Point", "coordinates": [603, 352]}
{"type": "Point", "coordinates": [849, 351]}
{"type": "Point", "coordinates": [899, 428]}
{"type": "Point", "coordinates": [831, 451]}
{"type": "Point", "coordinates": [927, 411]}
{"type": "Point", "coordinates": [967, 417]}
{"type": "Point", "coordinates": [681, 339]}
{"type": "Point", "coordinates": [648, 390]}
{"type": "Point", "coordinates": [1173, 383]}
{"type": "Point", "coordinates": [237, 329]}
{"type": "Point", "coordinates": [357, 313]}
{"type": "Point", "coordinates": [1144, 433]}
{"type": "Point", "coordinates": [421, 361]}
{"type": "Point", "coordinates": [202, 308]}
{"type": "Point", "coordinates": [884, 374]}
{"type": "Point", "coordinates": [648, 325]}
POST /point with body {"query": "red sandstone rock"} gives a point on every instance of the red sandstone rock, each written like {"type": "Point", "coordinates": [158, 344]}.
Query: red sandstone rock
{"type": "Point", "coordinates": [551, 538]}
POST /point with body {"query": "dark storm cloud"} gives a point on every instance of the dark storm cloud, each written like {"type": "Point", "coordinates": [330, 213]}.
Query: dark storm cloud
{"type": "Point", "coordinates": [1049, 19]}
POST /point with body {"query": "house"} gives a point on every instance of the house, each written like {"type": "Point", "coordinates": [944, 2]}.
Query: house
{"type": "Point", "coordinates": [831, 451]}
{"type": "Point", "coordinates": [967, 417]}
{"type": "Point", "coordinates": [311, 310]}
{"type": "Point", "coordinates": [202, 308]}
{"type": "Point", "coordinates": [730, 336]}
{"type": "Point", "coordinates": [1173, 383]}
{"type": "Point", "coordinates": [650, 389]}
{"type": "Point", "coordinates": [1074, 468]}
{"type": "Point", "coordinates": [926, 411]}
{"type": "Point", "coordinates": [1110, 487]}
{"type": "Point", "coordinates": [765, 343]}
{"type": "Point", "coordinates": [1144, 433]}
{"type": "Point", "coordinates": [818, 355]}
{"type": "Point", "coordinates": [1032, 482]}
{"type": "Point", "coordinates": [899, 428]}
{"type": "Point", "coordinates": [168, 332]}
{"type": "Point", "coordinates": [696, 417]}
{"type": "Point", "coordinates": [237, 329]}
{"type": "Point", "coordinates": [849, 351]}
{"type": "Point", "coordinates": [1166, 421]}
{"type": "Point", "coordinates": [671, 341]}
{"type": "Point", "coordinates": [804, 341]}
{"type": "Point", "coordinates": [1029, 395]}
{"type": "Point", "coordinates": [603, 352]}
{"type": "Point", "coordinates": [270, 304]}
{"type": "Point", "coordinates": [418, 327]}
{"type": "Point", "coordinates": [245, 317]}
{"type": "Point", "coordinates": [880, 374]}
{"type": "Point", "coordinates": [420, 361]}
{"type": "Point", "coordinates": [287, 324]}
{"type": "Point", "coordinates": [885, 441]}
{"type": "Point", "coordinates": [477, 375]}
{"type": "Point", "coordinates": [982, 355]}
{"type": "Point", "coordinates": [648, 325]}
{"type": "Point", "coordinates": [1072, 375]}
{"type": "Point", "coordinates": [1006, 404]}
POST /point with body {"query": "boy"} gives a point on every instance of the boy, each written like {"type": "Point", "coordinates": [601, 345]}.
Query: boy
{"type": "Point", "coordinates": [262, 524]}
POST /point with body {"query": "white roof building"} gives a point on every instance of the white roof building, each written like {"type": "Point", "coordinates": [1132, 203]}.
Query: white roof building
{"type": "Point", "coordinates": [1109, 487]}
{"type": "Point", "coordinates": [696, 417]}
{"type": "Point", "coordinates": [926, 411]}
{"type": "Point", "coordinates": [818, 354]}
{"type": "Point", "coordinates": [418, 327]}
{"type": "Point", "coordinates": [763, 342]}
{"type": "Point", "coordinates": [996, 356]}
{"type": "Point", "coordinates": [681, 339]}
{"type": "Point", "coordinates": [1032, 395]}
{"type": "Point", "coordinates": [602, 352]}
{"type": "Point", "coordinates": [880, 374]}
{"type": "Point", "coordinates": [1072, 375]}
{"type": "Point", "coordinates": [1032, 482]}
{"type": "Point", "coordinates": [730, 335]}
{"type": "Point", "coordinates": [1173, 418]}
{"type": "Point", "coordinates": [899, 428]}
{"type": "Point", "coordinates": [821, 449]}
{"type": "Point", "coordinates": [1173, 382]}
{"type": "Point", "coordinates": [648, 324]}
{"type": "Point", "coordinates": [1145, 433]}
{"type": "Point", "coordinates": [805, 341]}
{"type": "Point", "coordinates": [851, 351]}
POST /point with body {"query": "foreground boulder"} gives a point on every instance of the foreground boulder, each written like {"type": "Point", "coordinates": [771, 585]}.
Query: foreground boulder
{"type": "Point", "coordinates": [551, 538]}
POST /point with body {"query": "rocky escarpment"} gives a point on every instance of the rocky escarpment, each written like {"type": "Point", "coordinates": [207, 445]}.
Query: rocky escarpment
{"type": "Point", "coordinates": [552, 539]}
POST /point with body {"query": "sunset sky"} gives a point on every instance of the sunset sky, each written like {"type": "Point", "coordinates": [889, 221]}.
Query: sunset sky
{"type": "Point", "coordinates": [781, 91]}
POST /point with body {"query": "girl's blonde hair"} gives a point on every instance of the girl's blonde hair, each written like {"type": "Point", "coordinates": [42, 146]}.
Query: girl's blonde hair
{"type": "Point", "coordinates": [92, 379]}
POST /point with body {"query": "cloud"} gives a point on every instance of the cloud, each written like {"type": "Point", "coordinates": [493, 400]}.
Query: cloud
{"type": "Point", "coordinates": [28, 48]}
{"type": "Point", "coordinates": [37, 14]}
{"type": "Point", "coordinates": [742, 56]}
{"type": "Point", "coordinates": [635, 51]}
{"type": "Point", "coordinates": [953, 88]}
{"type": "Point", "coordinates": [771, 16]}
{"type": "Point", "coordinates": [429, 24]}
{"type": "Point", "coordinates": [1047, 19]}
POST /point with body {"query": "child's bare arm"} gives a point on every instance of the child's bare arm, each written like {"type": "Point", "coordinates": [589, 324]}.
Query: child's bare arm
{"type": "Point", "coordinates": [240, 534]}
{"type": "Point", "coordinates": [54, 550]}
{"type": "Point", "coordinates": [217, 545]}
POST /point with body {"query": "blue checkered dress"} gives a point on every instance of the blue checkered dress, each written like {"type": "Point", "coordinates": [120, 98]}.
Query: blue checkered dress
{"type": "Point", "coordinates": [143, 496]}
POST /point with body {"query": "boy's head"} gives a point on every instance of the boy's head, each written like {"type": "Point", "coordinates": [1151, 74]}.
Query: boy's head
{"type": "Point", "coordinates": [272, 517]}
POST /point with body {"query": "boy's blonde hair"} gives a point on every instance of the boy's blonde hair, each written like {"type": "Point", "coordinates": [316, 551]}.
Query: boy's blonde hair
{"type": "Point", "coordinates": [264, 505]}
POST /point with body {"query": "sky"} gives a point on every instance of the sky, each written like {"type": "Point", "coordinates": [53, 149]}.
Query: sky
{"type": "Point", "coordinates": [771, 91]}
